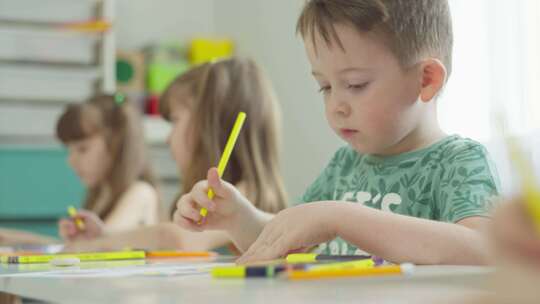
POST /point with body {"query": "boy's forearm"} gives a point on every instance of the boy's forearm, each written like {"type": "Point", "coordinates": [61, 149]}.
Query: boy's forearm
{"type": "Point", "coordinates": [399, 238]}
{"type": "Point", "coordinates": [247, 227]}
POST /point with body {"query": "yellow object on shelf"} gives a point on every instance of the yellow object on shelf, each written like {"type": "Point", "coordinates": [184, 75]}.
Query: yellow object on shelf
{"type": "Point", "coordinates": [98, 26]}
{"type": "Point", "coordinates": [206, 49]}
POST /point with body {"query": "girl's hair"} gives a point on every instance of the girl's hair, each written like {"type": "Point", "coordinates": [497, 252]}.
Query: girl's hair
{"type": "Point", "coordinates": [218, 92]}
{"type": "Point", "coordinates": [119, 122]}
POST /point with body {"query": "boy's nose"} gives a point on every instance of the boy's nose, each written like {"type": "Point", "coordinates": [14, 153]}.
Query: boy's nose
{"type": "Point", "coordinates": [341, 107]}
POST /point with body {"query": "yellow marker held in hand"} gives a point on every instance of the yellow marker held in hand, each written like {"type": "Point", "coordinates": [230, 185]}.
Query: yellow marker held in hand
{"type": "Point", "coordinates": [529, 184]}
{"type": "Point", "coordinates": [73, 213]}
{"type": "Point", "coordinates": [227, 153]}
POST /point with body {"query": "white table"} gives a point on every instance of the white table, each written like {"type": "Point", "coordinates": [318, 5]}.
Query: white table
{"type": "Point", "coordinates": [429, 284]}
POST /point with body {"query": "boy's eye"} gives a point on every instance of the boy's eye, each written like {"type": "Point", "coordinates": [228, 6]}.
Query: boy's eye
{"type": "Point", "coordinates": [357, 86]}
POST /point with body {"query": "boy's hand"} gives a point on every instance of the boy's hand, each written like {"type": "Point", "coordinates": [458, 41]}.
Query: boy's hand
{"type": "Point", "coordinates": [225, 210]}
{"type": "Point", "coordinates": [293, 230]}
{"type": "Point", "coordinates": [93, 227]}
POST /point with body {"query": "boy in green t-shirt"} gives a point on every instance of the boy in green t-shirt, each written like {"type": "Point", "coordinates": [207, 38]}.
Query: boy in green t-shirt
{"type": "Point", "coordinates": [403, 189]}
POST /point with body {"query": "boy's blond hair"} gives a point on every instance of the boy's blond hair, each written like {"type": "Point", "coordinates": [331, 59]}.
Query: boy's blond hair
{"type": "Point", "coordinates": [412, 29]}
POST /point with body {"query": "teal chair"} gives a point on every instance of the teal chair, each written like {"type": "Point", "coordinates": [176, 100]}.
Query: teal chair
{"type": "Point", "coordinates": [36, 186]}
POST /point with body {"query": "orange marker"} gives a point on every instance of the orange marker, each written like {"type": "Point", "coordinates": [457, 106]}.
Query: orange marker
{"type": "Point", "coordinates": [350, 272]}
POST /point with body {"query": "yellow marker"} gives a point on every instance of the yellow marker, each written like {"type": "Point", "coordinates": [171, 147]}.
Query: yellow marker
{"type": "Point", "coordinates": [268, 271]}
{"type": "Point", "coordinates": [367, 263]}
{"type": "Point", "coordinates": [227, 153]}
{"type": "Point", "coordinates": [229, 272]}
{"type": "Point", "coordinates": [529, 183]}
{"type": "Point", "coordinates": [73, 213]}
{"type": "Point", "coordinates": [83, 257]}
{"type": "Point", "coordinates": [351, 272]}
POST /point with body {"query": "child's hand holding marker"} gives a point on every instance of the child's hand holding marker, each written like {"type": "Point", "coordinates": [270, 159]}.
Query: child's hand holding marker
{"type": "Point", "coordinates": [215, 204]}
{"type": "Point", "coordinates": [229, 210]}
{"type": "Point", "coordinates": [223, 209]}
{"type": "Point", "coordinates": [70, 230]}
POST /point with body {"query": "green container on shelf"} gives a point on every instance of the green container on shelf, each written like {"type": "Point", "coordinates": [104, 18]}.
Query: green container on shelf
{"type": "Point", "coordinates": [160, 75]}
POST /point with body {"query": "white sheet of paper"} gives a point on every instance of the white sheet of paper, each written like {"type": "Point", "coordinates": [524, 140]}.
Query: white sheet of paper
{"type": "Point", "coordinates": [165, 269]}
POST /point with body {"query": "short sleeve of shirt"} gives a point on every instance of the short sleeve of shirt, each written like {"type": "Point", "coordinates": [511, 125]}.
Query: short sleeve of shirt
{"type": "Point", "coordinates": [322, 188]}
{"type": "Point", "coordinates": [468, 183]}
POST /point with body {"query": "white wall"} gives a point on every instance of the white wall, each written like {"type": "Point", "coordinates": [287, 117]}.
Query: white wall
{"type": "Point", "coordinates": [266, 32]}
{"type": "Point", "coordinates": [142, 22]}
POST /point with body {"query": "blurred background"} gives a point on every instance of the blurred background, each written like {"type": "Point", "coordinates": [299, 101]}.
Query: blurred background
{"type": "Point", "coordinates": [54, 52]}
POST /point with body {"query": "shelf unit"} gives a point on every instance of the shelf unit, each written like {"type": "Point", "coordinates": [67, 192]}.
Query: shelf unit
{"type": "Point", "coordinates": [44, 65]}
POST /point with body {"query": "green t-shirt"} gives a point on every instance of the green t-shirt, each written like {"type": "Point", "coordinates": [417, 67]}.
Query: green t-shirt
{"type": "Point", "coordinates": [447, 181]}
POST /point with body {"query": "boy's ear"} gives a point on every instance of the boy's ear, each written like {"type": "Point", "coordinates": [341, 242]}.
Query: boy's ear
{"type": "Point", "coordinates": [433, 78]}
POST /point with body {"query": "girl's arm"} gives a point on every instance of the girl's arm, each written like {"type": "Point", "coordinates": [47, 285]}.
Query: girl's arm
{"type": "Point", "coordinates": [138, 206]}
{"type": "Point", "coordinates": [156, 237]}
{"type": "Point", "coordinates": [9, 237]}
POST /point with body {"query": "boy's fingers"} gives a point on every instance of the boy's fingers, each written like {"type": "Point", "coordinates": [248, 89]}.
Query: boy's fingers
{"type": "Point", "coordinates": [264, 253]}
{"type": "Point", "coordinates": [252, 252]}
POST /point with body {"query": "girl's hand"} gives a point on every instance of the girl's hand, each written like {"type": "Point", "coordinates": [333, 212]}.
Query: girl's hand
{"type": "Point", "coordinates": [93, 227]}
{"type": "Point", "coordinates": [226, 210]}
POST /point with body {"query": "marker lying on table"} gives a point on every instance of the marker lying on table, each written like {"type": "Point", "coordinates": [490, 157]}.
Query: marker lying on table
{"type": "Point", "coordinates": [296, 258]}
{"type": "Point", "coordinates": [227, 153]}
{"type": "Point", "coordinates": [236, 272]}
{"type": "Point", "coordinates": [405, 269]}
{"type": "Point", "coordinates": [83, 257]}
{"type": "Point", "coordinates": [270, 271]}
{"type": "Point", "coordinates": [365, 263]}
